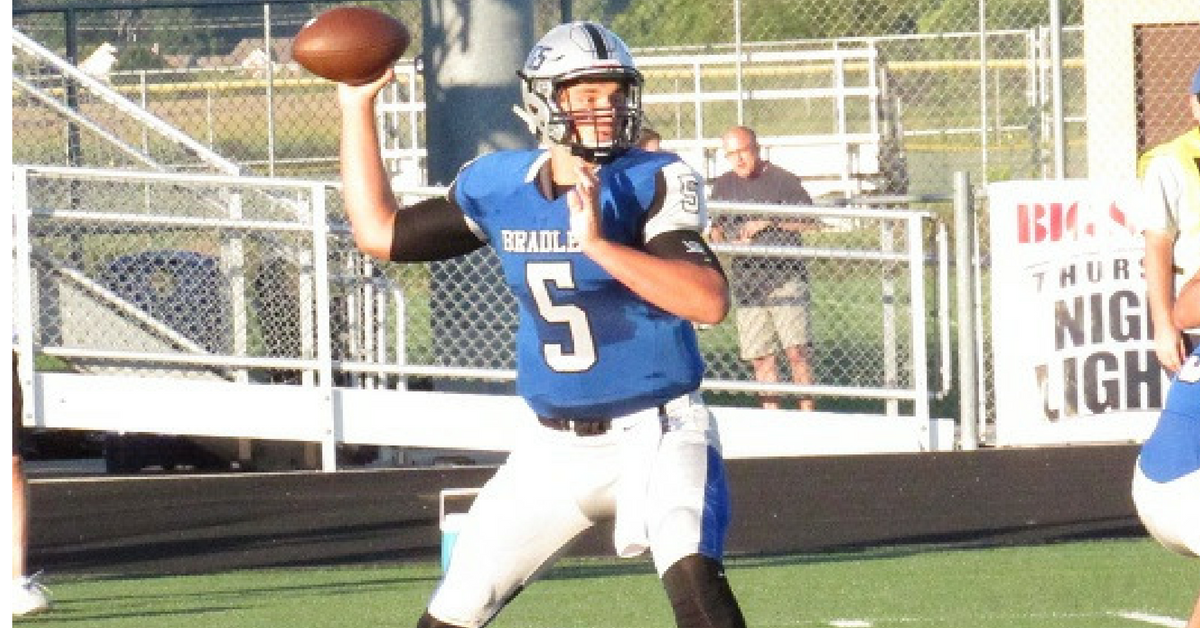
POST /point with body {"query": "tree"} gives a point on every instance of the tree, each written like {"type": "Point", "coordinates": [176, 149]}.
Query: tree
{"type": "Point", "coordinates": [141, 57]}
{"type": "Point", "coordinates": [963, 15]}
{"type": "Point", "coordinates": [676, 22]}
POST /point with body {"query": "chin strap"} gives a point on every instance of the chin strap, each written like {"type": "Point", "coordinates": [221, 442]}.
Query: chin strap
{"type": "Point", "coordinates": [594, 155]}
{"type": "Point", "coordinates": [528, 118]}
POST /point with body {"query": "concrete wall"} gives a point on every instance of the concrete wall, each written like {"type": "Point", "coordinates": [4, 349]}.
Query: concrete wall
{"type": "Point", "coordinates": [169, 524]}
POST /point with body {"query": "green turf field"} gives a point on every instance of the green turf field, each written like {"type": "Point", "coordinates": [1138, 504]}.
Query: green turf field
{"type": "Point", "coordinates": [1097, 584]}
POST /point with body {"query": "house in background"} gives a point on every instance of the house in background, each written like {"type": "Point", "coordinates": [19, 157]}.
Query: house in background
{"type": "Point", "coordinates": [250, 55]}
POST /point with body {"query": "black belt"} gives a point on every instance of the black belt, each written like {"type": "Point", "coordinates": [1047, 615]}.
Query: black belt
{"type": "Point", "coordinates": [583, 427]}
{"type": "Point", "coordinates": [593, 427]}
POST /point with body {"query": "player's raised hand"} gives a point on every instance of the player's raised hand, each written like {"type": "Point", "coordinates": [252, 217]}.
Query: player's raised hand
{"type": "Point", "coordinates": [348, 95]}
{"type": "Point", "coordinates": [584, 203]}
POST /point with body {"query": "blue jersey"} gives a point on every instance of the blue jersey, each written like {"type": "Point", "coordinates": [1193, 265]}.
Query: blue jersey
{"type": "Point", "coordinates": [1173, 450]}
{"type": "Point", "coordinates": [587, 347]}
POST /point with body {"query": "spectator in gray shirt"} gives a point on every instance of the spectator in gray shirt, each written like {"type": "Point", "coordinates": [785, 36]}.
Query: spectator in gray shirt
{"type": "Point", "coordinates": [771, 293]}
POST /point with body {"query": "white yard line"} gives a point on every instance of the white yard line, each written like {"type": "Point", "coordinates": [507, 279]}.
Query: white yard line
{"type": "Point", "coordinates": [850, 623]}
{"type": "Point", "coordinates": [1157, 620]}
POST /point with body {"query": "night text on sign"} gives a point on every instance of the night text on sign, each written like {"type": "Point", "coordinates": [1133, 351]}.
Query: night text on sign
{"type": "Point", "coordinates": [1105, 381]}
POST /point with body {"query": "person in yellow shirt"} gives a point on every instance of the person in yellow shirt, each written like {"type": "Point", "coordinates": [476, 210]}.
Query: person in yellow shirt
{"type": "Point", "coordinates": [1170, 176]}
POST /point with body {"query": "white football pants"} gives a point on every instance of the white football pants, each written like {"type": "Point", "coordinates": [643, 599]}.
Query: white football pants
{"type": "Point", "coordinates": [660, 476]}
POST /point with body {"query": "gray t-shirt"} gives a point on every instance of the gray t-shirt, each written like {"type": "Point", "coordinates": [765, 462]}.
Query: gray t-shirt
{"type": "Point", "coordinates": [754, 277]}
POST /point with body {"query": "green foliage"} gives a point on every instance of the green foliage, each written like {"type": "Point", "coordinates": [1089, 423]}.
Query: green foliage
{"type": "Point", "coordinates": [708, 22]}
{"type": "Point", "coordinates": [140, 58]}
{"type": "Point", "coordinates": [676, 22]}
{"type": "Point", "coordinates": [876, 17]}
{"type": "Point", "coordinates": [688, 22]}
{"type": "Point", "coordinates": [963, 15]}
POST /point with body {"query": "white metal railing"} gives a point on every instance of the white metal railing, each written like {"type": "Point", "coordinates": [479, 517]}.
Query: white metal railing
{"type": "Point", "coordinates": [913, 258]}
{"type": "Point", "coordinates": [323, 410]}
{"type": "Point", "coordinates": [191, 354]}
{"type": "Point", "coordinates": [1036, 64]}
{"type": "Point", "coordinates": [838, 160]}
{"type": "Point", "coordinates": [851, 158]}
{"type": "Point", "coordinates": [103, 91]}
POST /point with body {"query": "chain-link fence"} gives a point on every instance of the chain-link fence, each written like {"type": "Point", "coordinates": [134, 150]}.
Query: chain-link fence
{"type": "Point", "coordinates": [860, 98]}
{"type": "Point", "coordinates": [881, 96]}
{"type": "Point", "coordinates": [862, 296]}
{"type": "Point", "coordinates": [931, 89]}
{"type": "Point", "coordinates": [187, 276]}
{"type": "Point", "coordinates": [169, 270]}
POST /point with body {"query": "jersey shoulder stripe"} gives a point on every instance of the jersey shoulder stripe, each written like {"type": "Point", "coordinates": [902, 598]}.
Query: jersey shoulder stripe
{"type": "Point", "coordinates": [680, 204]}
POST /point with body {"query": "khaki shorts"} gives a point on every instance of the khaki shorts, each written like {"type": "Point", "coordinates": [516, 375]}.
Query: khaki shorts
{"type": "Point", "coordinates": [763, 330]}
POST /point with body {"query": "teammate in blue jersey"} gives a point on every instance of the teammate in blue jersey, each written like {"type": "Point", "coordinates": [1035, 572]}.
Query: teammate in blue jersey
{"type": "Point", "coordinates": [600, 244]}
{"type": "Point", "coordinates": [1166, 482]}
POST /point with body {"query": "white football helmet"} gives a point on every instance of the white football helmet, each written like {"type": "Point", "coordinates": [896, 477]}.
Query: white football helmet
{"type": "Point", "coordinates": [570, 52]}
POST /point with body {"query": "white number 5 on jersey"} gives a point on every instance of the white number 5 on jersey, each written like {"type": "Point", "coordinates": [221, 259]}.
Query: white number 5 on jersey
{"type": "Point", "coordinates": [539, 276]}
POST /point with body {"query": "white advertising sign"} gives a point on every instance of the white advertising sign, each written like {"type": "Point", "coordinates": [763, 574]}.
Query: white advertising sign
{"type": "Point", "coordinates": [1073, 352]}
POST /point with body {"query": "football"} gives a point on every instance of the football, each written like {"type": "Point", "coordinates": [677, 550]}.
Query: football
{"type": "Point", "coordinates": [354, 45]}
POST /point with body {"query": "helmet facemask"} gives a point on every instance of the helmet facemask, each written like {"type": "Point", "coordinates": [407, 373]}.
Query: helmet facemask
{"type": "Point", "coordinates": [597, 133]}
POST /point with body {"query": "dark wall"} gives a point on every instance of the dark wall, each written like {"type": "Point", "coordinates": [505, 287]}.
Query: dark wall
{"type": "Point", "coordinates": [179, 524]}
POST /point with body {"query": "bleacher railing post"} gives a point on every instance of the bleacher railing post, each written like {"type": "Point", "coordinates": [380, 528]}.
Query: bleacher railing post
{"type": "Point", "coordinates": [964, 255]}
{"type": "Point", "coordinates": [320, 235]}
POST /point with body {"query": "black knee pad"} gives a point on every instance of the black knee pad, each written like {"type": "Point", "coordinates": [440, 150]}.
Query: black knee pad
{"type": "Point", "coordinates": [700, 595]}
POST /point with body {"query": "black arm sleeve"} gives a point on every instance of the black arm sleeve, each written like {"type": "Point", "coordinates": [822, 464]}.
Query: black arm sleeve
{"type": "Point", "coordinates": [686, 245]}
{"type": "Point", "coordinates": [683, 243]}
{"type": "Point", "coordinates": [431, 230]}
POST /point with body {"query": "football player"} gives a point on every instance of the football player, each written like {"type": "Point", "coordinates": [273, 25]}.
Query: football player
{"type": "Point", "coordinates": [1166, 482]}
{"type": "Point", "coordinates": [600, 244]}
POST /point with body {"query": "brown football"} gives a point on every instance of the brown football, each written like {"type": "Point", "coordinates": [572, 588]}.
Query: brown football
{"type": "Point", "coordinates": [349, 44]}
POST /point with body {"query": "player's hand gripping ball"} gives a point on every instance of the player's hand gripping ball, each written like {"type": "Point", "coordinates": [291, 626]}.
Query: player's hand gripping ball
{"type": "Point", "coordinates": [353, 45]}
